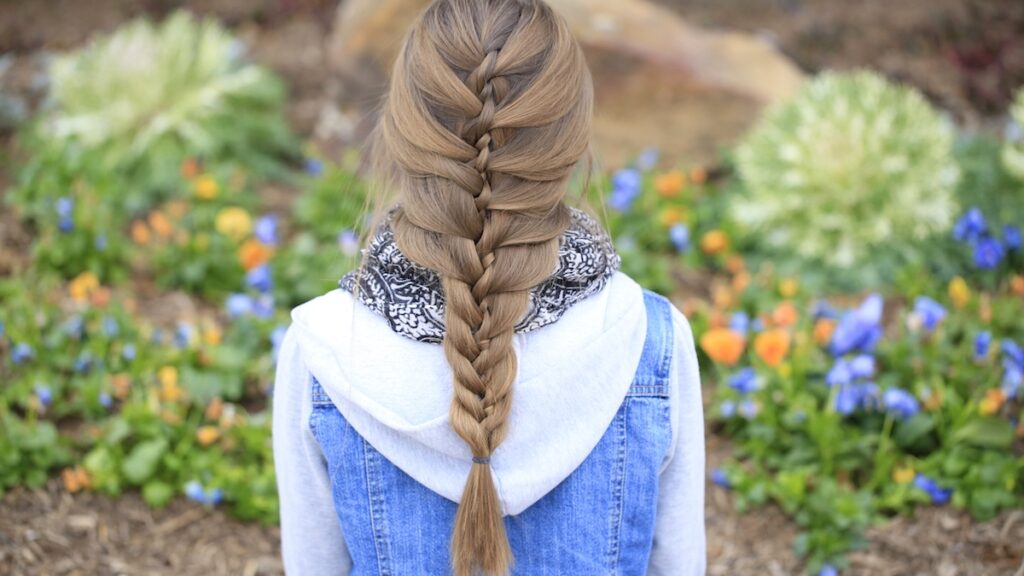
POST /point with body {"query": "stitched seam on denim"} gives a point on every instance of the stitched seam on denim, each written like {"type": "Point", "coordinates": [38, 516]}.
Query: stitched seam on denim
{"type": "Point", "coordinates": [319, 396]}
{"type": "Point", "coordinates": [666, 341]}
{"type": "Point", "coordinates": [618, 481]}
{"type": "Point", "coordinates": [378, 523]}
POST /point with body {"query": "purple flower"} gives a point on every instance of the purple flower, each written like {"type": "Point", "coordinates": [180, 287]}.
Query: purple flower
{"type": "Point", "coordinates": [1011, 237]}
{"type": "Point", "coordinates": [625, 188]}
{"type": "Point", "coordinates": [680, 236]}
{"type": "Point", "coordinates": [988, 253]}
{"type": "Point", "coordinates": [929, 311]}
{"type": "Point", "coordinates": [314, 167]}
{"type": "Point", "coordinates": [937, 494]}
{"type": "Point", "coordinates": [901, 402]}
{"type": "Point", "coordinates": [970, 226]}
{"type": "Point", "coordinates": [744, 381]}
{"type": "Point", "coordinates": [265, 230]}
{"type": "Point", "coordinates": [239, 305]}
{"type": "Point", "coordinates": [727, 409]}
{"type": "Point", "coordinates": [720, 478]}
{"type": "Point", "coordinates": [739, 322]}
{"type": "Point", "coordinates": [348, 241]}
{"type": "Point", "coordinates": [22, 353]}
{"type": "Point", "coordinates": [260, 279]}
{"type": "Point", "coordinates": [860, 328]}
{"type": "Point", "coordinates": [982, 344]}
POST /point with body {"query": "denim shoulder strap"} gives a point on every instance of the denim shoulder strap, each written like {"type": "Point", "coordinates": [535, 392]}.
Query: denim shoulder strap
{"type": "Point", "coordinates": [652, 375]}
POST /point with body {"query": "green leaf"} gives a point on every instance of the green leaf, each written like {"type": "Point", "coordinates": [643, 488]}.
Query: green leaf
{"type": "Point", "coordinates": [143, 459]}
{"type": "Point", "coordinates": [986, 433]}
{"type": "Point", "coordinates": [157, 494]}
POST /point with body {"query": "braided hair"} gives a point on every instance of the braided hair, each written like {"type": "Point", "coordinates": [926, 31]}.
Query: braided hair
{"type": "Point", "coordinates": [488, 114]}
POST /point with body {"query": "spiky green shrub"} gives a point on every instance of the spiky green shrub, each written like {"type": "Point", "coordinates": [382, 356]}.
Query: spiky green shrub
{"type": "Point", "coordinates": [850, 168]}
{"type": "Point", "coordinates": [1013, 151]}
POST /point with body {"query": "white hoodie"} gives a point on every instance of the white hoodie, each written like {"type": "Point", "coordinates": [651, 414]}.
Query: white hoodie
{"type": "Point", "coordinates": [396, 393]}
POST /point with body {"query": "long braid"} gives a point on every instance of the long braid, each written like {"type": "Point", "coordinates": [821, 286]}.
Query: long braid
{"type": "Point", "coordinates": [488, 114]}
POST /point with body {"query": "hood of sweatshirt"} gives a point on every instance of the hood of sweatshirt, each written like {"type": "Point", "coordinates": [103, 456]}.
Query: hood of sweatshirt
{"type": "Point", "coordinates": [396, 391]}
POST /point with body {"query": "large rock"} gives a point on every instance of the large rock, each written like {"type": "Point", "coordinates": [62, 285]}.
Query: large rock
{"type": "Point", "coordinates": [659, 80]}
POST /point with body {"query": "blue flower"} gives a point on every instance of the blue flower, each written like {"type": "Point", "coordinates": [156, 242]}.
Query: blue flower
{"type": "Point", "coordinates": [128, 352]}
{"type": "Point", "coordinates": [83, 364]}
{"type": "Point", "coordinates": [625, 188]}
{"type": "Point", "coordinates": [110, 326]}
{"type": "Point", "coordinates": [757, 325]}
{"type": "Point", "coordinates": [239, 305]}
{"type": "Point", "coordinates": [847, 399]}
{"type": "Point", "coordinates": [75, 327]}
{"type": "Point", "coordinates": [1011, 237]}
{"type": "Point", "coordinates": [158, 336]}
{"type": "Point", "coordinates": [680, 236]}
{"type": "Point", "coordinates": [929, 311]}
{"type": "Point", "coordinates": [862, 366]}
{"type": "Point", "coordinates": [214, 496]}
{"type": "Point", "coordinates": [727, 409]}
{"type": "Point", "coordinates": [748, 409]}
{"type": "Point", "coordinates": [970, 226]}
{"type": "Point", "coordinates": [265, 230]}
{"type": "Point", "coordinates": [183, 335]}
{"type": "Point", "coordinates": [44, 395]}
{"type": "Point", "coordinates": [839, 374]}
{"type": "Point", "coordinates": [822, 309]}
{"type": "Point", "coordinates": [860, 328]}
{"type": "Point", "coordinates": [739, 322]}
{"type": "Point", "coordinates": [194, 491]}
{"type": "Point", "coordinates": [903, 403]}
{"type": "Point", "coordinates": [720, 478]}
{"type": "Point", "coordinates": [276, 338]}
{"type": "Point", "coordinates": [105, 400]}
{"type": "Point", "coordinates": [744, 381]}
{"type": "Point", "coordinates": [263, 306]}
{"type": "Point", "coordinates": [937, 494]}
{"type": "Point", "coordinates": [348, 241]}
{"type": "Point", "coordinates": [828, 570]}
{"type": "Point", "coordinates": [65, 210]}
{"type": "Point", "coordinates": [647, 159]}
{"type": "Point", "coordinates": [1014, 352]}
{"type": "Point", "coordinates": [1013, 378]}
{"type": "Point", "coordinates": [314, 167]}
{"type": "Point", "coordinates": [2, 328]}
{"type": "Point", "coordinates": [988, 253]}
{"type": "Point", "coordinates": [22, 353]}
{"type": "Point", "coordinates": [982, 344]}
{"type": "Point", "coordinates": [259, 278]}
{"type": "Point", "coordinates": [100, 242]}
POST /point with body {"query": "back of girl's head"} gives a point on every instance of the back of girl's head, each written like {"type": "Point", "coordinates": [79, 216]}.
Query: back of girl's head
{"type": "Point", "coordinates": [487, 116]}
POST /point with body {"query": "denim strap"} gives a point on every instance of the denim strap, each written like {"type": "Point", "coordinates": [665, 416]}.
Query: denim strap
{"type": "Point", "coordinates": [652, 375]}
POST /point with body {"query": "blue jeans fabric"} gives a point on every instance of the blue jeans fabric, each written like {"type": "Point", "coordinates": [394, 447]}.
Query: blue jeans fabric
{"type": "Point", "coordinates": [599, 520]}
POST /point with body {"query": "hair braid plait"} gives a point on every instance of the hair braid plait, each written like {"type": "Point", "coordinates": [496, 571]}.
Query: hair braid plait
{"type": "Point", "coordinates": [487, 115]}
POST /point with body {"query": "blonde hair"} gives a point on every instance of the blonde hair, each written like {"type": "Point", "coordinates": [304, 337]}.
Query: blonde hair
{"type": "Point", "coordinates": [488, 113]}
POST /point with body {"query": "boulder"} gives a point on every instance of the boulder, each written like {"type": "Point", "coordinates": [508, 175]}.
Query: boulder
{"type": "Point", "coordinates": [659, 80]}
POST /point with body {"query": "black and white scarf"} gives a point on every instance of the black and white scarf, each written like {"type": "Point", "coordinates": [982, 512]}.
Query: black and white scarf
{"type": "Point", "coordinates": [411, 299]}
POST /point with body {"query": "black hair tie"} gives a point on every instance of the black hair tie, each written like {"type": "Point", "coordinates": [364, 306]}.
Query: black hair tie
{"type": "Point", "coordinates": [481, 459]}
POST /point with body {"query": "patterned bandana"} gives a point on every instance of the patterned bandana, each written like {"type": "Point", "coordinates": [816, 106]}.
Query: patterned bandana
{"type": "Point", "coordinates": [411, 299]}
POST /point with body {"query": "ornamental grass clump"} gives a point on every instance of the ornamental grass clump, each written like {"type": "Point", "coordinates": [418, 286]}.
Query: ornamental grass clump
{"type": "Point", "coordinates": [851, 167]}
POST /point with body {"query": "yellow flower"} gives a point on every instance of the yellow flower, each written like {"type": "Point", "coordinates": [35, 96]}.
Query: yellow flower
{"type": "Point", "coordinates": [212, 336]}
{"type": "Point", "coordinates": [214, 409]}
{"type": "Point", "coordinates": [205, 187]}
{"type": "Point", "coordinates": [993, 401]}
{"type": "Point", "coordinates": [207, 435]}
{"type": "Point", "coordinates": [169, 389]}
{"type": "Point", "coordinates": [788, 288]}
{"type": "Point", "coordinates": [83, 286]}
{"type": "Point", "coordinates": [772, 346]}
{"type": "Point", "coordinates": [670, 184]}
{"type": "Point", "coordinates": [903, 475]}
{"type": "Point", "coordinates": [959, 293]}
{"type": "Point", "coordinates": [671, 216]}
{"type": "Point", "coordinates": [723, 345]}
{"type": "Point", "coordinates": [234, 222]}
{"type": "Point", "coordinates": [714, 242]}
{"type": "Point", "coordinates": [160, 224]}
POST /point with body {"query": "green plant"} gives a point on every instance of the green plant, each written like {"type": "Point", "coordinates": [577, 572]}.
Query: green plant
{"type": "Point", "coordinates": [1013, 151]}
{"type": "Point", "coordinates": [851, 170]}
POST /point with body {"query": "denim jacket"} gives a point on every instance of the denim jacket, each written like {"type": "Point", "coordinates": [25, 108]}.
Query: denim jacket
{"type": "Point", "coordinates": [610, 515]}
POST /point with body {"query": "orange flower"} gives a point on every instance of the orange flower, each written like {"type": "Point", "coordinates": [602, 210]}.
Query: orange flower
{"type": "Point", "coordinates": [171, 417]}
{"type": "Point", "coordinates": [735, 264]}
{"type": "Point", "coordinates": [189, 167]}
{"type": "Point", "coordinates": [160, 224]}
{"type": "Point", "coordinates": [698, 175]}
{"type": "Point", "coordinates": [1017, 285]}
{"type": "Point", "coordinates": [785, 314]}
{"type": "Point", "coordinates": [207, 435]}
{"type": "Point", "coordinates": [75, 479]}
{"type": "Point", "coordinates": [959, 292]}
{"type": "Point", "coordinates": [993, 401]}
{"type": "Point", "coordinates": [214, 409]}
{"type": "Point", "coordinates": [253, 253]}
{"type": "Point", "coordinates": [723, 345]}
{"type": "Point", "coordinates": [100, 297]}
{"type": "Point", "coordinates": [671, 216]}
{"type": "Point", "coordinates": [823, 330]}
{"type": "Point", "coordinates": [83, 286]}
{"type": "Point", "coordinates": [177, 209]}
{"type": "Point", "coordinates": [140, 233]}
{"type": "Point", "coordinates": [772, 346]}
{"type": "Point", "coordinates": [740, 281]}
{"type": "Point", "coordinates": [714, 242]}
{"type": "Point", "coordinates": [205, 187]}
{"type": "Point", "coordinates": [122, 385]}
{"type": "Point", "coordinates": [670, 184]}
{"type": "Point", "coordinates": [722, 296]}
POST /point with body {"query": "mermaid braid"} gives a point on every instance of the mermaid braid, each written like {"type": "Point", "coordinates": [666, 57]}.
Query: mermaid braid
{"type": "Point", "coordinates": [488, 114]}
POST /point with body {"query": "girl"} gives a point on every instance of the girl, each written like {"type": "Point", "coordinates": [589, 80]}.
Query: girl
{"type": "Point", "coordinates": [487, 393]}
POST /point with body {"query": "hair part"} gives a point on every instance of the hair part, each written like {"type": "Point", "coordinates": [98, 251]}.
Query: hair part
{"type": "Point", "coordinates": [488, 114]}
